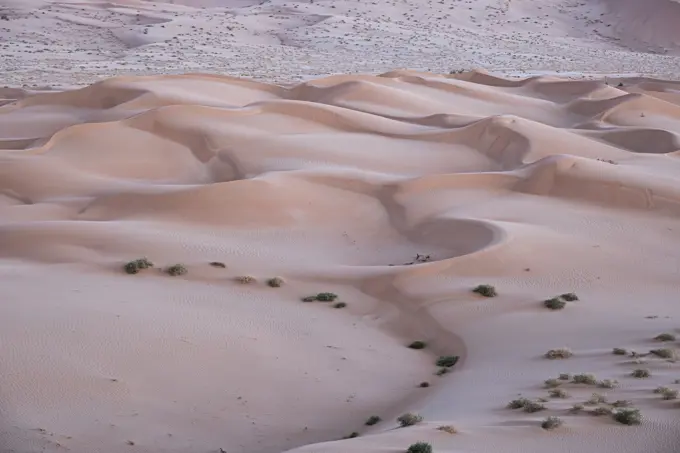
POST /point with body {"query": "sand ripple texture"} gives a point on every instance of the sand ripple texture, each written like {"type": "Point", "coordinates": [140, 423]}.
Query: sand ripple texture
{"type": "Point", "coordinates": [538, 186]}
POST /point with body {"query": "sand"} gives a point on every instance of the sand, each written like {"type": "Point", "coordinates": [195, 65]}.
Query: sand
{"type": "Point", "coordinates": [342, 184]}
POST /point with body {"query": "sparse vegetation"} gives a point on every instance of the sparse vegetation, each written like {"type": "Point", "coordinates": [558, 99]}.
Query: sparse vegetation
{"type": "Point", "coordinates": [326, 297]}
{"type": "Point", "coordinates": [664, 353]}
{"type": "Point", "coordinates": [555, 303]}
{"type": "Point", "coordinates": [309, 299]}
{"type": "Point", "coordinates": [352, 435]}
{"type": "Point", "coordinates": [485, 290]}
{"type": "Point", "coordinates": [628, 416]}
{"type": "Point", "coordinates": [519, 403]}
{"type": "Point", "coordinates": [275, 282]}
{"type": "Point", "coordinates": [667, 393]}
{"type": "Point", "coordinates": [420, 447]}
{"type": "Point", "coordinates": [409, 419]}
{"type": "Point", "coordinates": [534, 406]}
{"type": "Point", "coordinates": [600, 411]}
{"type": "Point", "coordinates": [622, 403]}
{"type": "Point", "coordinates": [218, 264]}
{"type": "Point", "coordinates": [551, 383]}
{"type": "Point", "coordinates": [373, 420]}
{"type": "Point", "coordinates": [133, 267]}
{"type": "Point", "coordinates": [561, 353]}
{"type": "Point", "coordinates": [665, 337]}
{"type": "Point", "coordinates": [442, 371]}
{"type": "Point", "coordinates": [608, 383]}
{"type": "Point", "coordinates": [577, 408]}
{"type": "Point", "coordinates": [558, 393]}
{"type": "Point", "coordinates": [596, 398]}
{"type": "Point", "coordinates": [447, 361]}
{"type": "Point", "coordinates": [552, 422]}
{"type": "Point", "coordinates": [526, 404]}
{"type": "Point", "coordinates": [246, 279]}
{"type": "Point", "coordinates": [176, 270]}
{"type": "Point", "coordinates": [569, 297]}
{"type": "Point", "coordinates": [424, 384]}
{"type": "Point", "coordinates": [340, 305]}
{"type": "Point", "coordinates": [418, 345]}
{"type": "Point", "coordinates": [619, 351]}
{"type": "Point", "coordinates": [583, 378]}
{"type": "Point", "coordinates": [447, 429]}
{"type": "Point", "coordinates": [640, 373]}
{"type": "Point", "coordinates": [564, 377]}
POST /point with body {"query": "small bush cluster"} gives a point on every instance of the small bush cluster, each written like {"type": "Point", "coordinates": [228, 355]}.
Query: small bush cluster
{"type": "Point", "coordinates": [596, 398]}
{"type": "Point", "coordinates": [667, 393]}
{"type": "Point", "coordinates": [275, 282]}
{"type": "Point", "coordinates": [619, 351]}
{"type": "Point", "coordinates": [583, 378]}
{"type": "Point", "coordinates": [608, 383]}
{"type": "Point", "coordinates": [373, 420]}
{"type": "Point", "coordinates": [622, 403]}
{"type": "Point", "coordinates": [551, 383]}
{"type": "Point", "coordinates": [561, 353]}
{"type": "Point", "coordinates": [340, 305]}
{"type": "Point", "coordinates": [600, 411]}
{"type": "Point", "coordinates": [485, 290]}
{"type": "Point", "coordinates": [447, 361]}
{"type": "Point", "coordinates": [176, 270]}
{"type": "Point", "coordinates": [246, 279]}
{"type": "Point", "coordinates": [555, 303]}
{"type": "Point", "coordinates": [628, 416]}
{"type": "Point", "coordinates": [577, 408]}
{"type": "Point", "coordinates": [321, 297]}
{"type": "Point", "coordinates": [409, 419]}
{"type": "Point", "coordinates": [447, 429]}
{"type": "Point", "coordinates": [418, 345]}
{"type": "Point", "coordinates": [552, 422]}
{"type": "Point", "coordinates": [569, 297]}
{"type": "Point", "coordinates": [640, 373]}
{"type": "Point", "coordinates": [665, 337]}
{"type": "Point", "coordinates": [664, 353]}
{"type": "Point", "coordinates": [558, 393]}
{"type": "Point", "coordinates": [420, 447]}
{"type": "Point", "coordinates": [564, 377]}
{"type": "Point", "coordinates": [526, 404]}
{"type": "Point", "coordinates": [133, 267]}
{"type": "Point", "coordinates": [424, 384]}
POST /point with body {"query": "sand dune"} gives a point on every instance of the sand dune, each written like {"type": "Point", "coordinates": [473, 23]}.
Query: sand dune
{"type": "Point", "coordinates": [539, 186]}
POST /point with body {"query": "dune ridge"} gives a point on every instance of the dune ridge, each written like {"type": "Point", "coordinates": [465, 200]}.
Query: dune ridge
{"type": "Point", "coordinates": [539, 186]}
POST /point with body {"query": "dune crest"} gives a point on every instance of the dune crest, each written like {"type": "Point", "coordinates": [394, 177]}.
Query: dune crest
{"type": "Point", "coordinates": [400, 193]}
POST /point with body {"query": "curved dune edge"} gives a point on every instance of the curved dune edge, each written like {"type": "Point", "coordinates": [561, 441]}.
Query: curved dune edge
{"type": "Point", "coordinates": [399, 192]}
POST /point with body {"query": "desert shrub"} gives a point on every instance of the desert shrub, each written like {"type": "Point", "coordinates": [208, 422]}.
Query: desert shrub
{"type": "Point", "coordinates": [596, 398]}
{"type": "Point", "coordinates": [309, 299]}
{"type": "Point", "coordinates": [246, 279]}
{"type": "Point", "coordinates": [627, 416]}
{"type": "Point", "coordinates": [664, 353]}
{"type": "Point", "coordinates": [551, 383]}
{"type": "Point", "coordinates": [133, 267]}
{"type": "Point", "coordinates": [569, 297]}
{"type": "Point", "coordinates": [352, 435]}
{"type": "Point", "coordinates": [667, 393]}
{"type": "Point", "coordinates": [608, 383]}
{"type": "Point", "coordinates": [442, 371]}
{"type": "Point", "coordinates": [447, 429]}
{"type": "Point", "coordinates": [373, 420]}
{"type": "Point", "coordinates": [340, 305]}
{"type": "Point", "coordinates": [640, 373]}
{"type": "Point", "coordinates": [409, 419]}
{"type": "Point", "coordinates": [583, 378]}
{"type": "Point", "coordinates": [326, 297]}
{"type": "Point", "coordinates": [519, 403]}
{"type": "Point", "coordinates": [218, 264]}
{"type": "Point", "coordinates": [424, 384]}
{"type": "Point", "coordinates": [600, 411]}
{"type": "Point", "coordinates": [552, 422]}
{"type": "Point", "coordinates": [275, 282]}
{"type": "Point", "coordinates": [622, 403]}
{"type": "Point", "coordinates": [665, 337]}
{"type": "Point", "coordinates": [418, 345]}
{"type": "Point", "coordinates": [564, 377]}
{"type": "Point", "coordinates": [485, 290]}
{"type": "Point", "coordinates": [533, 406]}
{"type": "Point", "coordinates": [447, 361]}
{"type": "Point", "coordinates": [177, 269]}
{"type": "Point", "coordinates": [577, 407]}
{"type": "Point", "coordinates": [542, 399]}
{"type": "Point", "coordinates": [561, 353]}
{"type": "Point", "coordinates": [555, 303]}
{"type": "Point", "coordinates": [619, 351]}
{"type": "Point", "coordinates": [420, 447]}
{"type": "Point", "coordinates": [558, 393]}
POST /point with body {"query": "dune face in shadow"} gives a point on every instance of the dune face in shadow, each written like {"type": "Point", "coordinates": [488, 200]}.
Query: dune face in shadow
{"type": "Point", "coordinates": [399, 192]}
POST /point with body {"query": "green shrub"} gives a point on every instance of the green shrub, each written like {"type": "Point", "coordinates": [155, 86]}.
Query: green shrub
{"type": "Point", "coordinates": [664, 353]}
{"type": "Point", "coordinates": [519, 403]}
{"type": "Point", "coordinates": [627, 416]}
{"type": "Point", "coordinates": [552, 423]}
{"type": "Point", "coordinates": [619, 351]}
{"type": "Point", "coordinates": [420, 447]}
{"type": "Point", "coordinates": [418, 345]}
{"type": "Point", "coordinates": [326, 297]}
{"type": "Point", "coordinates": [555, 303]}
{"type": "Point", "coordinates": [667, 393]}
{"type": "Point", "coordinates": [551, 383]}
{"type": "Point", "coordinates": [587, 379]}
{"type": "Point", "coordinates": [640, 373]}
{"type": "Point", "coordinates": [409, 419]}
{"type": "Point", "coordinates": [218, 264]}
{"type": "Point", "coordinates": [447, 361]}
{"type": "Point", "coordinates": [558, 393]}
{"type": "Point", "coordinates": [485, 290]}
{"type": "Point", "coordinates": [340, 305]}
{"type": "Point", "coordinates": [275, 282]}
{"type": "Point", "coordinates": [561, 353]}
{"type": "Point", "coordinates": [665, 337]}
{"type": "Point", "coordinates": [533, 406]}
{"type": "Point", "coordinates": [373, 420]}
{"type": "Point", "coordinates": [569, 297]}
{"type": "Point", "coordinates": [177, 269]}
{"type": "Point", "coordinates": [133, 267]}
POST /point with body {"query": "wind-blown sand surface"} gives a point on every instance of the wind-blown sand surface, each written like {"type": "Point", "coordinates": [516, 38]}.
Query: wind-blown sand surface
{"type": "Point", "coordinates": [539, 187]}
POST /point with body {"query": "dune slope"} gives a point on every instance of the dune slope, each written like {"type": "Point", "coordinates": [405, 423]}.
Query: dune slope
{"type": "Point", "coordinates": [399, 193]}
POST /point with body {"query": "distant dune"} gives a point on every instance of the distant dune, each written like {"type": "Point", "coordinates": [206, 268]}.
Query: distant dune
{"type": "Point", "coordinates": [399, 193]}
